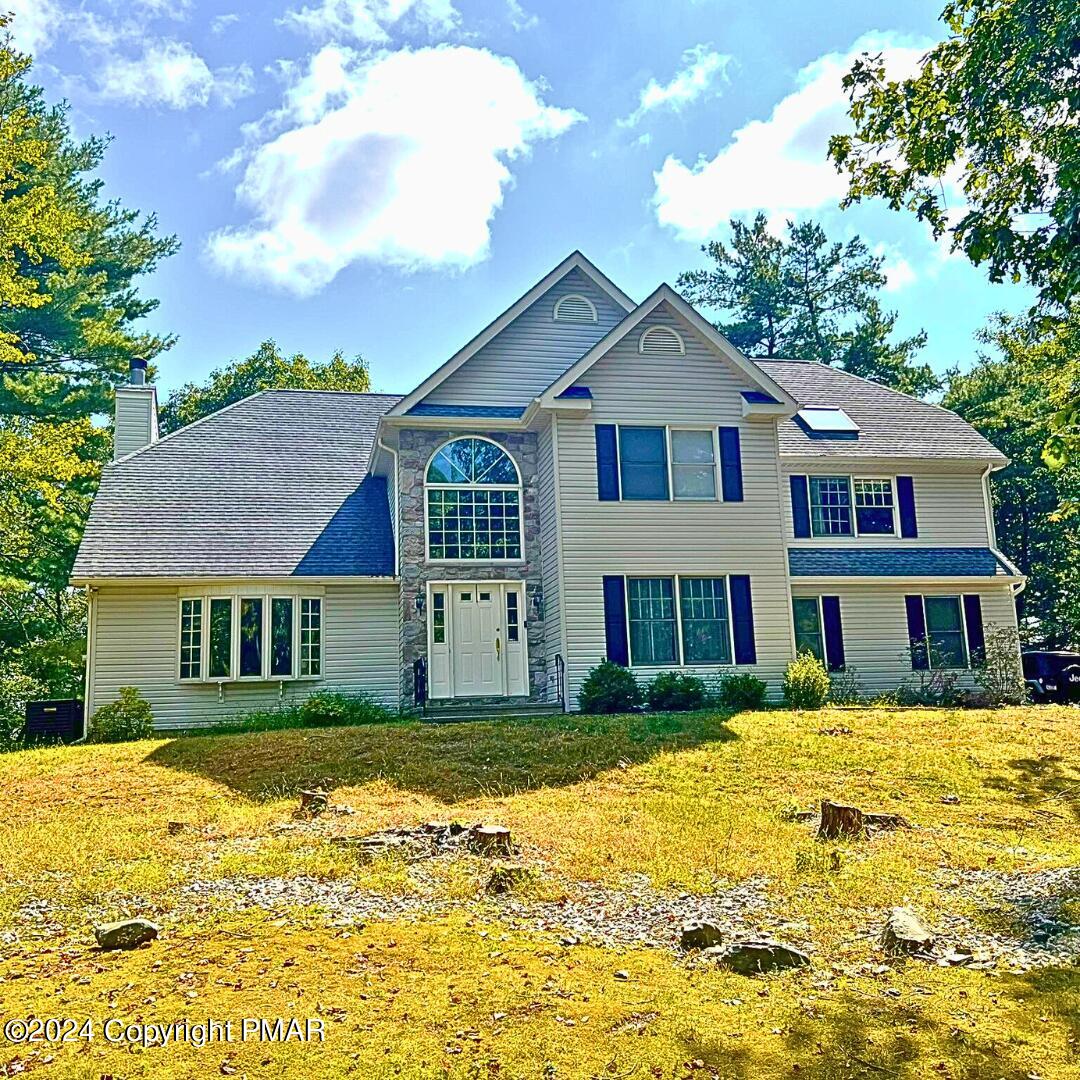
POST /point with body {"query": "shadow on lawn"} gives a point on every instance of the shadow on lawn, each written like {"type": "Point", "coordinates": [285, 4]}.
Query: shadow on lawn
{"type": "Point", "coordinates": [1043, 781]}
{"type": "Point", "coordinates": [450, 762]}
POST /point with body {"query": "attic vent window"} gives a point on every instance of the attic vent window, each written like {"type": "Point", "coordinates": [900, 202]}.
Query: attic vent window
{"type": "Point", "coordinates": [661, 341]}
{"type": "Point", "coordinates": [575, 308]}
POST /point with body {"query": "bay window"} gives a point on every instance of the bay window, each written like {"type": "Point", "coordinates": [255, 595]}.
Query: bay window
{"type": "Point", "coordinates": [250, 637]}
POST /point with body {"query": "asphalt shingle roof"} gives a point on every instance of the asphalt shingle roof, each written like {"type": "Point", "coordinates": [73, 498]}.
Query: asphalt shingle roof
{"type": "Point", "coordinates": [273, 486]}
{"type": "Point", "coordinates": [894, 562]}
{"type": "Point", "coordinates": [890, 424]}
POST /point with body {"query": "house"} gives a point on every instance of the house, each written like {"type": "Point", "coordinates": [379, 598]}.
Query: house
{"type": "Point", "coordinates": [587, 477]}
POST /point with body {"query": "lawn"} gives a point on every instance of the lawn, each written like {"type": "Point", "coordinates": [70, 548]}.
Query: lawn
{"type": "Point", "coordinates": [627, 825]}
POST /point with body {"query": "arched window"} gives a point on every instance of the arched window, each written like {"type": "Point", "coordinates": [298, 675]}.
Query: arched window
{"type": "Point", "coordinates": [662, 341]}
{"type": "Point", "coordinates": [574, 308]}
{"type": "Point", "coordinates": [473, 502]}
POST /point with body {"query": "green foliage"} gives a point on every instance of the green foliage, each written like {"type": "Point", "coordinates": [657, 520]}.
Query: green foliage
{"type": "Point", "coordinates": [1000, 676]}
{"type": "Point", "coordinates": [806, 682]}
{"type": "Point", "coordinates": [808, 299]}
{"type": "Point", "coordinates": [740, 693]}
{"type": "Point", "coordinates": [1008, 397]}
{"type": "Point", "coordinates": [844, 687]}
{"type": "Point", "coordinates": [265, 369]}
{"type": "Point", "coordinates": [674, 691]}
{"type": "Point", "coordinates": [127, 718]}
{"type": "Point", "coordinates": [936, 686]}
{"type": "Point", "coordinates": [324, 708]}
{"type": "Point", "coordinates": [17, 687]}
{"type": "Point", "coordinates": [609, 688]}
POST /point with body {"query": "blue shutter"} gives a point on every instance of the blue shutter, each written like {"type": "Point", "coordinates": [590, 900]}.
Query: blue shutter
{"type": "Point", "coordinates": [834, 632]}
{"type": "Point", "coordinates": [607, 463]}
{"type": "Point", "coordinates": [916, 632]}
{"type": "Point", "coordinates": [974, 623]}
{"type": "Point", "coordinates": [618, 649]}
{"type": "Point", "coordinates": [800, 505]}
{"type": "Point", "coordinates": [730, 465]}
{"type": "Point", "coordinates": [905, 497]}
{"type": "Point", "coordinates": [742, 619]}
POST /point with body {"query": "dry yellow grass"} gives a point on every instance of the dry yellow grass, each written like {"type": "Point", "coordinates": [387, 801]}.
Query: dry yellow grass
{"type": "Point", "coordinates": [689, 801]}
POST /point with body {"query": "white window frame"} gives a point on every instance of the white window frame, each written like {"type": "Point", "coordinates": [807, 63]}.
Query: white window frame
{"type": "Point", "coordinates": [959, 598]}
{"type": "Point", "coordinates": [680, 648]}
{"type": "Point", "coordinates": [574, 296]}
{"type": "Point", "coordinates": [519, 488]}
{"type": "Point", "coordinates": [851, 479]}
{"type": "Point", "coordinates": [235, 597]}
{"type": "Point", "coordinates": [821, 626]}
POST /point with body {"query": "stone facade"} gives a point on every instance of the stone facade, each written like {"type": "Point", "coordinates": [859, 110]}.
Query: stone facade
{"type": "Point", "coordinates": [415, 448]}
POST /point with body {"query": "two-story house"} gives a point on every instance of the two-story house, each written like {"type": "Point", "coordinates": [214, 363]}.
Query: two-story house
{"type": "Point", "coordinates": [587, 478]}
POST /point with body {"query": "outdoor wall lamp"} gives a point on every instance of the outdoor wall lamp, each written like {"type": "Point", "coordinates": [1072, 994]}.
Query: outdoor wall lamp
{"type": "Point", "coordinates": [538, 603]}
{"type": "Point", "coordinates": [420, 599]}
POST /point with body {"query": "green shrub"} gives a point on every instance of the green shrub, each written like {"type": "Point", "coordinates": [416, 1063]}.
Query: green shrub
{"type": "Point", "coordinates": [740, 693]}
{"type": "Point", "coordinates": [672, 691]}
{"type": "Point", "coordinates": [127, 718]}
{"type": "Point", "coordinates": [330, 708]}
{"type": "Point", "coordinates": [806, 682]}
{"type": "Point", "coordinates": [845, 687]}
{"type": "Point", "coordinates": [609, 688]}
{"type": "Point", "coordinates": [17, 687]}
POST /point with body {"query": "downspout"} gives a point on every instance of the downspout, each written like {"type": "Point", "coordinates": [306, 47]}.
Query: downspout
{"type": "Point", "coordinates": [991, 532]}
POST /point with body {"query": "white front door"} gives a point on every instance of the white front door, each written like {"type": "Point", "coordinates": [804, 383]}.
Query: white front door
{"type": "Point", "coordinates": [477, 642]}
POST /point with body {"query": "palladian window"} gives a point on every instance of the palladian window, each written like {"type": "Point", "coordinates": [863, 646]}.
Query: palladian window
{"type": "Point", "coordinates": [473, 503]}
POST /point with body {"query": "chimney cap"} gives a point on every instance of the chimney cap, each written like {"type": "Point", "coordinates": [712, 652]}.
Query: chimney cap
{"type": "Point", "coordinates": [137, 371]}
{"type": "Point", "coordinates": [138, 363]}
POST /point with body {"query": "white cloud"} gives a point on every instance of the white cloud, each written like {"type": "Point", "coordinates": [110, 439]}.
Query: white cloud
{"type": "Point", "coordinates": [400, 158]}
{"type": "Point", "coordinates": [899, 273]}
{"type": "Point", "coordinates": [220, 23]}
{"type": "Point", "coordinates": [778, 165]}
{"type": "Point", "coordinates": [702, 72]}
{"type": "Point", "coordinates": [520, 19]}
{"type": "Point", "coordinates": [368, 21]}
{"type": "Point", "coordinates": [34, 24]}
{"type": "Point", "coordinates": [170, 73]}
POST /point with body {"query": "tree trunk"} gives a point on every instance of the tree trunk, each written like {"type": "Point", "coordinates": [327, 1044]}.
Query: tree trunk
{"type": "Point", "coordinates": [840, 820]}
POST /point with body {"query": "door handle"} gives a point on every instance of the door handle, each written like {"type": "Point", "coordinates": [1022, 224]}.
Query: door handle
{"type": "Point", "coordinates": [498, 649]}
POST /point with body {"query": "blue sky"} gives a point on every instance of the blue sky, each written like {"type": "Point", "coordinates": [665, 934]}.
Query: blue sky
{"type": "Point", "coordinates": [385, 176]}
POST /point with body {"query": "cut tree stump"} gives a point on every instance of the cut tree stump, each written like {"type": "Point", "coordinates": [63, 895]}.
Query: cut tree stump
{"type": "Point", "coordinates": [491, 840]}
{"type": "Point", "coordinates": [838, 819]}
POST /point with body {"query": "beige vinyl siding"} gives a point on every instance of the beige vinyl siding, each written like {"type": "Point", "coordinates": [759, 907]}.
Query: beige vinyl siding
{"type": "Point", "coordinates": [135, 629]}
{"type": "Point", "coordinates": [664, 538]}
{"type": "Point", "coordinates": [950, 504]}
{"type": "Point", "coordinates": [549, 547]}
{"type": "Point", "coordinates": [136, 419]}
{"type": "Point", "coordinates": [874, 620]}
{"type": "Point", "coordinates": [532, 352]}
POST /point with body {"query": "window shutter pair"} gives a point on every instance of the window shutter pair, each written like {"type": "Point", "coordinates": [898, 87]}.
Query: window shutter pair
{"type": "Point", "coordinates": [905, 501]}
{"type": "Point", "coordinates": [973, 624]}
{"type": "Point", "coordinates": [742, 619]}
{"type": "Point", "coordinates": [607, 464]}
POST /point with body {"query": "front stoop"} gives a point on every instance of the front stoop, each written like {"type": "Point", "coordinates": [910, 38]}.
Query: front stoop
{"type": "Point", "coordinates": [458, 711]}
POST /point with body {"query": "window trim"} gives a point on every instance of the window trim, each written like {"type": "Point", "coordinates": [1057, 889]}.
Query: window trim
{"type": "Point", "coordinates": [891, 481]}
{"type": "Point", "coordinates": [821, 627]}
{"type": "Point", "coordinates": [429, 486]}
{"type": "Point", "coordinates": [959, 598]}
{"type": "Point", "coordinates": [680, 646]}
{"type": "Point", "coordinates": [235, 596]}
{"type": "Point", "coordinates": [717, 497]}
{"type": "Point", "coordinates": [851, 478]}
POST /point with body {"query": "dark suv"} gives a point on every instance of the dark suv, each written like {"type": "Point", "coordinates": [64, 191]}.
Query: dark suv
{"type": "Point", "coordinates": [1052, 676]}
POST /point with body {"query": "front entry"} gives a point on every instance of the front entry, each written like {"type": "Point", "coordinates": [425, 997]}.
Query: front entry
{"type": "Point", "coordinates": [476, 640]}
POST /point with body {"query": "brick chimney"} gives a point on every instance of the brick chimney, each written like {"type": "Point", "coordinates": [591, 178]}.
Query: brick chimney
{"type": "Point", "coordinates": [136, 423]}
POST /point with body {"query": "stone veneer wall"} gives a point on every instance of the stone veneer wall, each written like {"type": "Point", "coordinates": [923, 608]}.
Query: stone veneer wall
{"type": "Point", "coordinates": [415, 448]}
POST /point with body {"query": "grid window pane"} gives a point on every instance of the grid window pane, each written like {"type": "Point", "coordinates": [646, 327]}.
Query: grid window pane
{"type": "Point", "coordinates": [693, 464]}
{"type": "Point", "coordinates": [652, 620]}
{"type": "Point", "coordinates": [705, 625]}
{"type": "Point", "coordinates": [281, 636]}
{"type": "Point", "coordinates": [472, 461]}
{"type": "Point", "coordinates": [191, 639]}
{"type": "Point", "coordinates": [513, 617]}
{"type": "Point", "coordinates": [251, 633]}
{"type": "Point", "coordinates": [874, 507]}
{"type": "Point", "coordinates": [438, 618]}
{"type": "Point", "coordinates": [464, 524]}
{"type": "Point", "coordinates": [310, 637]}
{"type": "Point", "coordinates": [808, 636]}
{"type": "Point", "coordinates": [219, 660]}
{"type": "Point", "coordinates": [643, 463]}
{"type": "Point", "coordinates": [830, 505]}
{"type": "Point", "coordinates": [945, 631]}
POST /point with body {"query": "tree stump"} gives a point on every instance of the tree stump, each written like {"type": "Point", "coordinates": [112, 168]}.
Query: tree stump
{"type": "Point", "coordinates": [314, 802]}
{"type": "Point", "coordinates": [491, 840]}
{"type": "Point", "coordinates": [837, 820]}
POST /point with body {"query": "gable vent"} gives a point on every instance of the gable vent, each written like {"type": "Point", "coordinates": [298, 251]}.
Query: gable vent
{"type": "Point", "coordinates": [662, 341]}
{"type": "Point", "coordinates": [574, 308]}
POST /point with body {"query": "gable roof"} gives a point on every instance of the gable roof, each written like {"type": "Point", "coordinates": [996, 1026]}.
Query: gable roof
{"type": "Point", "coordinates": [574, 261]}
{"type": "Point", "coordinates": [666, 294]}
{"type": "Point", "coordinates": [890, 424]}
{"type": "Point", "coordinates": [275, 485]}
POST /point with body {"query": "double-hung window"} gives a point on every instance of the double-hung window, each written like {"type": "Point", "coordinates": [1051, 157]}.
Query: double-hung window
{"type": "Point", "coordinates": [945, 632]}
{"type": "Point", "coordinates": [809, 637]}
{"type": "Point", "coordinates": [683, 620]}
{"type": "Point", "coordinates": [874, 507]}
{"type": "Point", "coordinates": [251, 637]}
{"type": "Point", "coordinates": [842, 506]}
{"type": "Point", "coordinates": [706, 627]}
{"type": "Point", "coordinates": [643, 467]}
{"type": "Point", "coordinates": [693, 463]}
{"type": "Point", "coordinates": [830, 506]}
{"type": "Point", "coordinates": [652, 620]}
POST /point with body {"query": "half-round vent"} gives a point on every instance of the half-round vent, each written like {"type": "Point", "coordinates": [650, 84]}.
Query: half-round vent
{"type": "Point", "coordinates": [574, 308]}
{"type": "Point", "coordinates": [662, 341]}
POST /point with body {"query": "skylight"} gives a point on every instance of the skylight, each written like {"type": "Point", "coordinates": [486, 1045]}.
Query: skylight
{"type": "Point", "coordinates": [829, 421]}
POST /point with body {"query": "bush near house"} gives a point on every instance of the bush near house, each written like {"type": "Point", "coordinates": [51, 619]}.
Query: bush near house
{"type": "Point", "coordinates": [673, 691]}
{"type": "Point", "coordinates": [806, 682]}
{"type": "Point", "coordinates": [127, 718]}
{"type": "Point", "coordinates": [739, 693]}
{"type": "Point", "coordinates": [609, 688]}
